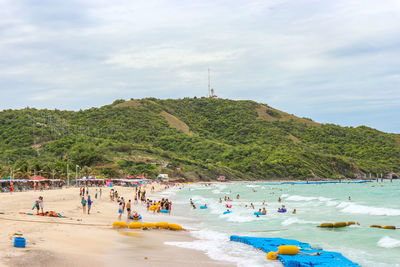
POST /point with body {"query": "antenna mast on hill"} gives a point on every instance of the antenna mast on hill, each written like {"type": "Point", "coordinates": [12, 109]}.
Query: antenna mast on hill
{"type": "Point", "coordinates": [209, 90]}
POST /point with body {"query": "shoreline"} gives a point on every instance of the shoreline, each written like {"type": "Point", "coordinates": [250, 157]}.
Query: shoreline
{"type": "Point", "coordinates": [86, 240]}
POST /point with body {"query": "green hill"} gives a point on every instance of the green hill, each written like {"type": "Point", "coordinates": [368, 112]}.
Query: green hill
{"type": "Point", "coordinates": [194, 138]}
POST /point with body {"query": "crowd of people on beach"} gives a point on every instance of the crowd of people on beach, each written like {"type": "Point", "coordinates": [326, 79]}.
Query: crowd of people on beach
{"type": "Point", "coordinates": [88, 202]}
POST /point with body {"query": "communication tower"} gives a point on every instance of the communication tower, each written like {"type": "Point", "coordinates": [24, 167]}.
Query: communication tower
{"type": "Point", "coordinates": [210, 90]}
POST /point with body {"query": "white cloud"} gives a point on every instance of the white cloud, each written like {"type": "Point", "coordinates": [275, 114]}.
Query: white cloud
{"type": "Point", "coordinates": [307, 57]}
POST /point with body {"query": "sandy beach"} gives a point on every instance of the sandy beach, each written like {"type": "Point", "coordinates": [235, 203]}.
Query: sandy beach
{"type": "Point", "coordinates": [87, 240]}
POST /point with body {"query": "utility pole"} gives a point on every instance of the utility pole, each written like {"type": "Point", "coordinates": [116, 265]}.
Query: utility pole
{"type": "Point", "coordinates": [68, 173]}
{"type": "Point", "coordinates": [76, 171]}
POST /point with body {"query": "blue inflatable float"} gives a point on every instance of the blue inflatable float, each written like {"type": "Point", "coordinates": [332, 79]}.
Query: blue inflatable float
{"type": "Point", "coordinates": [258, 213]}
{"type": "Point", "coordinates": [282, 211]}
{"type": "Point", "coordinates": [326, 258]}
{"type": "Point", "coordinates": [165, 211]}
{"type": "Point", "coordinates": [139, 218]}
{"type": "Point", "coordinates": [227, 212]}
{"type": "Point", "coordinates": [203, 207]}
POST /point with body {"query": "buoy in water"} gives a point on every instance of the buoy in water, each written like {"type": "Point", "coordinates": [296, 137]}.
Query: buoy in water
{"type": "Point", "coordinates": [391, 227]}
{"type": "Point", "coordinates": [339, 224]}
{"type": "Point", "coordinates": [272, 255]}
{"type": "Point", "coordinates": [375, 226]}
{"type": "Point", "coordinates": [326, 225]}
{"type": "Point", "coordinates": [288, 250]}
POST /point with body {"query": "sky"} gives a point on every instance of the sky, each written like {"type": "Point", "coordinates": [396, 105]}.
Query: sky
{"type": "Point", "coordinates": [331, 61]}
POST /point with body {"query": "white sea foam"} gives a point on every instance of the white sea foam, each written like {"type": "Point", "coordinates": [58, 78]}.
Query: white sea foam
{"type": "Point", "coordinates": [348, 207]}
{"type": "Point", "coordinates": [298, 221]}
{"type": "Point", "coordinates": [388, 242]}
{"type": "Point", "coordinates": [218, 247]}
{"type": "Point", "coordinates": [252, 185]}
{"type": "Point", "coordinates": [302, 198]}
{"type": "Point", "coordinates": [237, 217]}
{"type": "Point", "coordinates": [216, 191]}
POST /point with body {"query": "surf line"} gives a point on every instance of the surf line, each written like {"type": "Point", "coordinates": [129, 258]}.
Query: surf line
{"type": "Point", "coordinates": [260, 231]}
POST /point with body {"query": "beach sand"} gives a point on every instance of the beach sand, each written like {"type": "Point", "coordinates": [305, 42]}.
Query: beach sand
{"type": "Point", "coordinates": [86, 240]}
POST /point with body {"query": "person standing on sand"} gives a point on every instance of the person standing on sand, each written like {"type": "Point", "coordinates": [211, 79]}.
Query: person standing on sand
{"type": "Point", "coordinates": [41, 203]}
{"type": "Point", "coordinates": [264, 211]}
{"type": "Point", "coordinates": [100, 192]}
{"type": "Point", "coordinates": [95, 196]}
{"type": "Point", "coordinates": [89, 202]}
{"type": "Point", "coordinates": [128, 209]}
{"type": "Point", "coordinates": [123, 204]}
{"type": "Point", "coordinates": [279, 200]}
{"type": "Point", "coordinates": [83, 205]}
{"type": "Point", "coordinates": [36, 205]}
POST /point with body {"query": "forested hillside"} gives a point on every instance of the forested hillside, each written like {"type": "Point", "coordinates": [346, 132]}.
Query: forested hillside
{"type": "Point", "coordinates": [192, 138]}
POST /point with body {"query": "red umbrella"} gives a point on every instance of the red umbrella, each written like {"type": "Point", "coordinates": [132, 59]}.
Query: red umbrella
{"type": "Point", "coordinates": [37, 178]}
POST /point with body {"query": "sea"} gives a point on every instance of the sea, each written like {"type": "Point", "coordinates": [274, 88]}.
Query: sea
{"type": "Point", "coordinates": [372, 203]}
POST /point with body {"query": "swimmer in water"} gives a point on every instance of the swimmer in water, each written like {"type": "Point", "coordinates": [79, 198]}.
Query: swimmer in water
{"type": "Point", "coordinates": [220, 200]}
{"type": "Point", "coordinates": [349, 198]}
{"type": "Point", "coordinates": [294, 211]}
{"type": "Point", "coordinates": [252, 206]}
{"type": "Point", "coordinates": [264, 211]}
{"type": "Point", "coordinates": [238, 196]}
{"type": "Point", "coordinates": [279, 200]}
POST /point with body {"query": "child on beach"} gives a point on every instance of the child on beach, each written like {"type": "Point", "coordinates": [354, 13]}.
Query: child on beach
{"type": "Point", "coordinates": [89, 202]}
{"type": "Point", "coordinates": [120, 210]}
{"type": "Point", "coordinates": [36, 206]}
{"type": "Point", "coordinates": [83, 205]}
{"type": "Point", "coordinates": [41, 203]}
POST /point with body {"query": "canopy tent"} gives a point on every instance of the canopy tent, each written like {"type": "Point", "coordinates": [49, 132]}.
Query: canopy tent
{"type": "Point", "coordinates": [13, 180]}
{"type": "Point", "coordinates": [140, 176]}
{"type": "Point", "coordinates": [37, 178]}
{"type": "Point", "coordinates": [132, 180]}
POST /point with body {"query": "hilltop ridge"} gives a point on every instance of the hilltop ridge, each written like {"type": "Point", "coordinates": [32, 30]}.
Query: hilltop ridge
{"type": "Point", "coordinates": [193, 138]}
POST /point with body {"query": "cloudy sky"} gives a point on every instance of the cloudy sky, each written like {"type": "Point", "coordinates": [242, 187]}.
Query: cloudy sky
{"type": "Point", "coordinates": [332, 61]}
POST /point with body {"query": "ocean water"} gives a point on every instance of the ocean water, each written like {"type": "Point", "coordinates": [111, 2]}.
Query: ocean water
{"type": "Point", "coordinates": [371, 203]}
